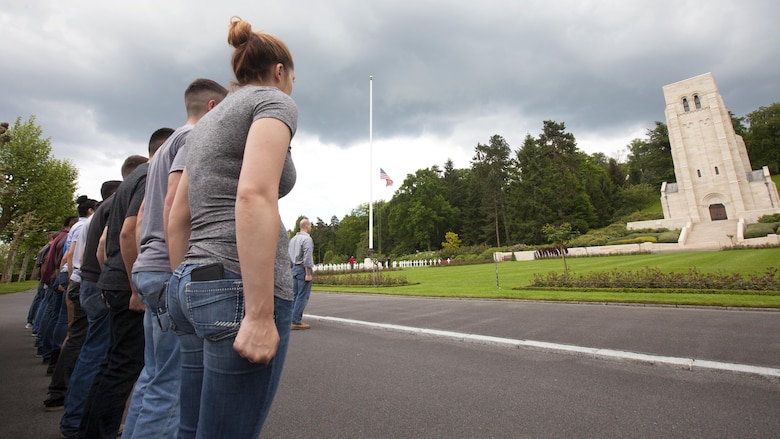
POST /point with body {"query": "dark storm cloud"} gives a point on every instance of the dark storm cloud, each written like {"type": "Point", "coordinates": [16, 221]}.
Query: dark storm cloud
{"type": "Point", "coordinates": [101, 76]}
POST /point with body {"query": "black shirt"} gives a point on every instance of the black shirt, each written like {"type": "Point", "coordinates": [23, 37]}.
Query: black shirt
{"type": "Point", "coordinates": [90, 268]}
{"type": "Point", "coordinates": [127, 202]}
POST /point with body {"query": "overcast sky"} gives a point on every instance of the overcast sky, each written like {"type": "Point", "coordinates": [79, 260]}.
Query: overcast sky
{"type": "Point", "coordinates": [101, 76]}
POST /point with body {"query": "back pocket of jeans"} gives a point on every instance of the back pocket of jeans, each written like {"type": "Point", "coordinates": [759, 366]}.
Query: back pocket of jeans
{"type": "Point", "coordinates": [216, 307]}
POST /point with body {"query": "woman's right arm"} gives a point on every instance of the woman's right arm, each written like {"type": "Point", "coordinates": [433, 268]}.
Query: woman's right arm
{"type": "Point", "coordinates": [257, 235]}
{"type": "Point", "coordinates": [179, 226]}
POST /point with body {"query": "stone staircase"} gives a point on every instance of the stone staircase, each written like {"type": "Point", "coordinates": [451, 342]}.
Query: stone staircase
{"type": "Point", "coordinates": [712, 235]}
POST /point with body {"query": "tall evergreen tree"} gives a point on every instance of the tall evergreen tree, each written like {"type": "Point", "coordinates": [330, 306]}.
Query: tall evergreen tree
{"type": "Point", "coordinates": [492, 164]}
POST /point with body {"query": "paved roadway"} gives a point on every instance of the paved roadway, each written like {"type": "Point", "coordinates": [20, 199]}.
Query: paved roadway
{"type": "Point", "coordinates": [474, 369]}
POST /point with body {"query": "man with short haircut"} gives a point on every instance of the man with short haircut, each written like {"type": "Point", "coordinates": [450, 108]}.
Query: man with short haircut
{"type": "Point", "coordinates": [154, 408]}
{"type": "Point", "coordinates": [95, 347]}
{"type": "Point", "coordinates": [301, 249]}
{"type": "Point", "coordinates": [114, 382]}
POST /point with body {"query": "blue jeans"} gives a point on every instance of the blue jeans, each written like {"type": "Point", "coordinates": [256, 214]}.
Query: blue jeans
{"type": "Point", "coordinates": [40, 314]}
{"type": "Point", "coordinates": [154, 408]}
{"type": "Point", "coordinates": [114, 382]}
{"type": "Point", "coordinates": [222, 394]}
{"type": "Point", "coordinates": [302, 290]}
{"type": "Point", "coordinates": [93, 353]}
{"type": "Point", "coordinates": [35, 303]}
{"type": "Point", "coordinates": [52, 329]}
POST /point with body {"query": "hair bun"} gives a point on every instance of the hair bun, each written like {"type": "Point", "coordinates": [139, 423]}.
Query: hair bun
{"type": "Point", "coordinates": [82, 199]}
{"type": "Point", "coordinates": [239, 32]}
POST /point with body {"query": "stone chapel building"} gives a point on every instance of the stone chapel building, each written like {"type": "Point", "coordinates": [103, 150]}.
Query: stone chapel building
{"type": "Point", "coordinates": [717, 191]}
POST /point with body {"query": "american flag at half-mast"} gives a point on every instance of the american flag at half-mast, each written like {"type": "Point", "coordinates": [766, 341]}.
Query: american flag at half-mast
{"type": "Point", "coordinates": [383, 176]}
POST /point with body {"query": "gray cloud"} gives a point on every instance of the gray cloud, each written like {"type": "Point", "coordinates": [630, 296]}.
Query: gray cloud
{"type": "Point", "coordinates": [101, 76]}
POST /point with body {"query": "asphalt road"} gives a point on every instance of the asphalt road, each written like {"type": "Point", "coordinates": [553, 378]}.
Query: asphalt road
{"type": "Point", "coordinates": [348, 377]}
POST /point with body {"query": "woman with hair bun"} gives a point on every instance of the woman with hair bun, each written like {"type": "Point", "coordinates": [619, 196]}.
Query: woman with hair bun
{"type": "Point", "coordinates": [230, 297]}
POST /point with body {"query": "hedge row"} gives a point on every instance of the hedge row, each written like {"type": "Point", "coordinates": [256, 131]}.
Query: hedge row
{"type": "Point", "coordinates": [650, 277]}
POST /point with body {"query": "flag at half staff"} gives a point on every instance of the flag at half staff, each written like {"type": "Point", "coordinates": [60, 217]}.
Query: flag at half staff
{"type": "Point", "coordinates": [383, 176]}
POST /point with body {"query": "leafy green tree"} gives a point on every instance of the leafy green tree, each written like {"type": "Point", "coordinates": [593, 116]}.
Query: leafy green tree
{"type": "Point", "coordinates": [352, 233]}
{"type": "Point", "coordinates": [419, 212]}
{"type": "Point", "coordinates": [650, 161]}
{"type": "Point", "coordinates": [560, 236]}
{"type": "Point", "coordinates": [617, 173]}
{"type": "Point", "coordinates": [451, 241]}
{"type": "Point", "coordinates": [762, 139]}
{"type": "Point", "coordinates": [37, 191]}
{"type": "Point", "coordinates": [739, 124]}
{"type": "Point", "coordinates": [320, 234]}
{"type": "Point", "coordinates": [34, 180]}
{"type": "Point", "coordinates": [493, 165]}
{"type": "Point", "coordinates": [635, 197]}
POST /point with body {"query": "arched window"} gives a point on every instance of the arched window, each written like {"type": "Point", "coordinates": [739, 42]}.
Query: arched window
{"type": "Point", "coordinates": [686, 107]}
{"type": "Point", "coordinates": [698, 171]}
{"type": "Point", "coordinates": [697, 102]}
{"type": "Point", "coordinates": [717, 171]}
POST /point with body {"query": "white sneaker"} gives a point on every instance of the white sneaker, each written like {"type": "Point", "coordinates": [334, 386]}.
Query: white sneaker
{"type": "Point", "coordinates": [27, 326]}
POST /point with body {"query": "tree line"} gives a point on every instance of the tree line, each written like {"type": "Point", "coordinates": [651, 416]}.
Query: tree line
{"type": "Point", "coordinates": [506, 196]}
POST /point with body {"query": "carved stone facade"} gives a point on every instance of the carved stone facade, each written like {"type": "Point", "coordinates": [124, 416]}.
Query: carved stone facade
{"type": "Point", "coordinates": [715, 180]}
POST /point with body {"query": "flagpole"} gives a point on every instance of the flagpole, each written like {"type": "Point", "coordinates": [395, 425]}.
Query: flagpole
{"type": "Point", "coordinates": [371, 165]}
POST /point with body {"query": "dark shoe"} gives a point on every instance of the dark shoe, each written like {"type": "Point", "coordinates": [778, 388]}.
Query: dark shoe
{"type": "Point", "coordinates": [73, 436]}
{"type": "Point", "coordinates": [53, 405]}
{"type": "Point", "coordinates": [50, 369]}
{"type": "Point", "coordinates": [300, 326]}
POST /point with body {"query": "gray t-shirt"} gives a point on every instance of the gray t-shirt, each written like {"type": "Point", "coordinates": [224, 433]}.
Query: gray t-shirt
{"type": "Point", "coordinates": [216, 153]}
{"type": "Point", "coordinates": [153, 255]}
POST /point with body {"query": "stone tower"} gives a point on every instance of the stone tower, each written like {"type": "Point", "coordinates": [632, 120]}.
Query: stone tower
{"type": "Point", "coordinates": [715, 180]}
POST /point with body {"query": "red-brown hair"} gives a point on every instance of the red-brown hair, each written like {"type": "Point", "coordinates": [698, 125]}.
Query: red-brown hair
{"type": "Point", "coordinates": [256, 53]}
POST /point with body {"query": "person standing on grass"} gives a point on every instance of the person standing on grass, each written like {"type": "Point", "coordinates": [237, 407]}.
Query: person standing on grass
{"type": "Point", "coordinates": [301, 249]}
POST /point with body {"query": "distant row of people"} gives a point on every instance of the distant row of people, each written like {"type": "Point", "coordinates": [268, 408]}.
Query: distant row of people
{"type": "Point", "coordinates": [177, 290]}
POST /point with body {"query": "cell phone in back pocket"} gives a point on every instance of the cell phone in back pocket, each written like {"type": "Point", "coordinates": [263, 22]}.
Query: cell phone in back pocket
{"type": "Point", "coordinates": [207, 272]}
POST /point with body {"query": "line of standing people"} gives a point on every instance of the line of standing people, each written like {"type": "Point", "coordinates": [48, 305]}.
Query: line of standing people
{"type": "Point", "coordinates": [184, 284]}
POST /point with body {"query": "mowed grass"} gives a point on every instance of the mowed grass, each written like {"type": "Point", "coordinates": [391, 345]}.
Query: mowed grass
{"type": "Point", "coordinates": [15, 287]}
{"type": "Point", "coordinates": [510, 280]}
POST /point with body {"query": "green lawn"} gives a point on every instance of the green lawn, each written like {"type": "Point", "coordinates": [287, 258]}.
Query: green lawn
{"type": "Point", "coordinates": [513, 277]}
{"type": "Point", "coordinates": [479, 281]}
{"type": "Point", "coordinates": [15, 287]}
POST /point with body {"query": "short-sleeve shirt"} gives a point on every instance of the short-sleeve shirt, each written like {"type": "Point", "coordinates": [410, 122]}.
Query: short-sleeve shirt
{"type": "Point", "coordinates": [90, 267]}
{"type": "Point", "coordinates": [215, 155]}
{"type": "Point", "coordinates": [153, 255]}
{"type": "Point", "coordinates": [127, 202]}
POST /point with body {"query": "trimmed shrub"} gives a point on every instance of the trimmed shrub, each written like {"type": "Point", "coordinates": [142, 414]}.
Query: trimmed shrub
{"type": "Point", "coordinates": [636, 240]}
{"type": "Point", "coordinates": [651, 277]}
{"type": "Point", "coordinates": [671, 236]}
{"type": "Point", "coordinates": [758, 230]}
{"type": "Point", "coordinates": [770, 218]}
